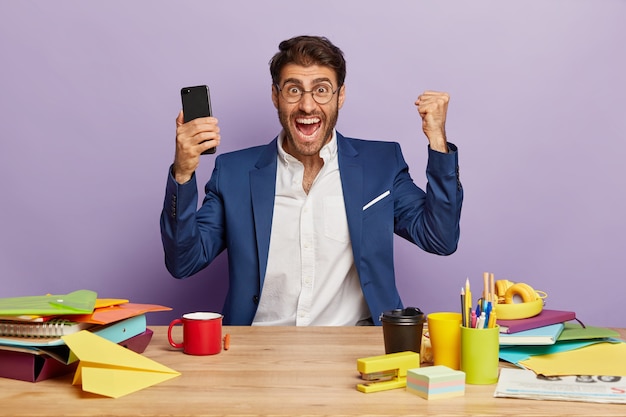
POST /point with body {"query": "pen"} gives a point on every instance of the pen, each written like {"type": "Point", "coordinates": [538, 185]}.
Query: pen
{"type": "Point", "coordinates": [473, 324]}
{"type": "Point", "coordinates": [492, 320]}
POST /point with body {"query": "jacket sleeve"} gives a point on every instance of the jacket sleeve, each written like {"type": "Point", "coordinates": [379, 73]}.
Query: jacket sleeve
{"type": "Point", "coordinates": [431, 219]}
{"type": "Point", "coordinates": [191, 239]}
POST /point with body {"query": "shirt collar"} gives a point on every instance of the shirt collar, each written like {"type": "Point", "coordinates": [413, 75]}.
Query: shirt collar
{"type": "Point", "coordinates": [328, 151]}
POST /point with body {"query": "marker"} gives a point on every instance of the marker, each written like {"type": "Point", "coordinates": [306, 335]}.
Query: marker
{"type": "Point", "coordinates": [480, 323]}
{"type": "Point", "coordinates": [488, 313]}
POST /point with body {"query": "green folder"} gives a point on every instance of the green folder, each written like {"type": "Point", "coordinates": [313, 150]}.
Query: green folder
{"type": "Point", "coordinates": [574, 331]}
{"type": "Point", "coordinates": [77, 302]}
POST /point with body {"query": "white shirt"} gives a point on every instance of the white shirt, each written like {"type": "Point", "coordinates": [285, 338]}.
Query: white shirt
{"type": "Point", "coordinates": [311, 279]}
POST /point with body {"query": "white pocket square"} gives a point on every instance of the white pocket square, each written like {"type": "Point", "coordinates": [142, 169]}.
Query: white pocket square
{"type": "Point", "coordinates": [376, 200]}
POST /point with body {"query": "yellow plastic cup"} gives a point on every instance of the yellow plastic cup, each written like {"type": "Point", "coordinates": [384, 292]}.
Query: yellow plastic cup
{"type": "Point", "coordinates": [444, 330]}
{"type": "Point", "coordinates": [479, 355]}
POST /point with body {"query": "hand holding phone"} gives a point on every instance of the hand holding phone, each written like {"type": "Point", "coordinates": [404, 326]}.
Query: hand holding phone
{"type": "Point", "coordinates": [196, 103]}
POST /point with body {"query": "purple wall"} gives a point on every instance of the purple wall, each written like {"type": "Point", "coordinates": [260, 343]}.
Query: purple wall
{"type": "Point", "coordinates": [89, 92]}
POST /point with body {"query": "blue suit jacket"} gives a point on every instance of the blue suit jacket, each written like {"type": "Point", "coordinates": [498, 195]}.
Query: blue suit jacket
{"type": "Point", "coordinates": [236, 215]}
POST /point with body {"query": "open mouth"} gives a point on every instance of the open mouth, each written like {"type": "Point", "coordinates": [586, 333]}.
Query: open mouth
{"type": "Point", "coordinates": [308, 126]}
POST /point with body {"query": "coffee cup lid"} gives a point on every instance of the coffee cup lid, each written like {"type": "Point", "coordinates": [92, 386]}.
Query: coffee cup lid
{"type": "Point", "coordinates": [403, 315]}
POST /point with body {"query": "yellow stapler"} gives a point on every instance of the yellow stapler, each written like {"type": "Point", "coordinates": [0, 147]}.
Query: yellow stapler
{"type": "Point", "coordinates": [386, 372]}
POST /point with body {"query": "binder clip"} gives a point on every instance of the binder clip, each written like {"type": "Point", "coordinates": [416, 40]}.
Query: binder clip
{"type": "Point", "coordinates": [386, 372]}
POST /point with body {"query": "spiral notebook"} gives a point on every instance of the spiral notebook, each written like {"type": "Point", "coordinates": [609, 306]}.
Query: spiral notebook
{"type": "Point", "coordinates": [49, 329]}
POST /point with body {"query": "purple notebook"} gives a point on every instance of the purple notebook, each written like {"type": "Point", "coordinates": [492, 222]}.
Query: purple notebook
{"type": "Point", "coordinates": [545, 318]}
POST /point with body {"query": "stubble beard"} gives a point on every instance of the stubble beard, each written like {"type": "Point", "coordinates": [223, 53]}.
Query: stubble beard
{"type": "Point", "coordinates": [313, 148]}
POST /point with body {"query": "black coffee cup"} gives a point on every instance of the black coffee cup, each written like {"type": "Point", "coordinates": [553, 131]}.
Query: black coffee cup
{"type": "Point", "coordinates": [402, 329]}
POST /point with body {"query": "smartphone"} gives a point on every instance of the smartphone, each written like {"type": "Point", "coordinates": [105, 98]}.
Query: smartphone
{"type": "Point", "coordinates": [196, 103]}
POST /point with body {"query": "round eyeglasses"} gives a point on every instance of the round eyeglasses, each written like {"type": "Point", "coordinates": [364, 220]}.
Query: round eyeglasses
{"type": "Point", "coordinates": [293, 93]}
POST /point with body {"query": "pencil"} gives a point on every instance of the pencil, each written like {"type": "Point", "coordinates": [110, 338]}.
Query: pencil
{"type": "Point", "coordinates": [468, 301]}
{"type": "Point", "coordinates": [463, 306]}
{"type": "Point", "coordinates": [485, 288]}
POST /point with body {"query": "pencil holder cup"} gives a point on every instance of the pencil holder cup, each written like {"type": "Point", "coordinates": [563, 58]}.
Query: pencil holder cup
{"type": "Point", "coordinates": [479, 355]}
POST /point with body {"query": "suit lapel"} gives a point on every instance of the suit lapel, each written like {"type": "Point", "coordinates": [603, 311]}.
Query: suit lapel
{"type": "Point", "coordinates": [262, 192]}
{"type": "Point", "coordinates": [351, 173]}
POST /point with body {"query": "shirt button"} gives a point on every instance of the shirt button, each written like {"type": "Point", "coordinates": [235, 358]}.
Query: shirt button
{"type": "Point", "coordinates": [255, 299]}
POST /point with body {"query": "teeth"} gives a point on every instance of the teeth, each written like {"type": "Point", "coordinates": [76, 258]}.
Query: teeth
{"type": "Point", "coordinates": [308, 121]}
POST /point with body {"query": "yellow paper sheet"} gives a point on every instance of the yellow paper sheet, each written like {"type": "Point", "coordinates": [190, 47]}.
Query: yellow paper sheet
{"type": "Point", "coordinates": [108, 302]}
{"type": "Point", "coordinates": [598, 359]}
{"type": "Point", "coordinates": [109, 369]}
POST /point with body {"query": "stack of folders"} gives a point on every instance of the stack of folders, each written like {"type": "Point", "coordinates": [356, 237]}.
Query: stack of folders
{"type": "Point", "coordinates": [31, 330]}
{"type": "Point", "coordinates": [548, 336]}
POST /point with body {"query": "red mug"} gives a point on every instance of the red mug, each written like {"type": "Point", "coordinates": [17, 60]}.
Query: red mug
{"type": "Point", "coordinates": [202, 333]}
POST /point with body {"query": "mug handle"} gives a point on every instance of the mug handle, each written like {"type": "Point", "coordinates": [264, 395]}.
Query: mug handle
{"type": "Point", "coordinates": [169, 333]}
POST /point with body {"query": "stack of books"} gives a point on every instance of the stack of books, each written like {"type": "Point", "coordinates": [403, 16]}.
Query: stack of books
{"type": "Point", "coordinates": [542, 329]}
{"type": "Point", "coordinates": [31, 330]}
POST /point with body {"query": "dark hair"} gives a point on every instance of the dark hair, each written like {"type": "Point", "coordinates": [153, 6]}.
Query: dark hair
{"type": "Point", "coordinates": [306, 51]}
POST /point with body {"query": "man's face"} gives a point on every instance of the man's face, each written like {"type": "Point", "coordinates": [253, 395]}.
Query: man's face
{"type": "Point", "coordinates": [308, 125]}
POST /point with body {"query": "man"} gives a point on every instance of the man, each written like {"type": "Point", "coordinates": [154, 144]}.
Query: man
{"type": "Point", "coordinates": [308, 219]}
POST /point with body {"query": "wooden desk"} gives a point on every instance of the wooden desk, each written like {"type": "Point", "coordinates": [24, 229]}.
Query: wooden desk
{"type": "Point", "coordinates": [285, 371]}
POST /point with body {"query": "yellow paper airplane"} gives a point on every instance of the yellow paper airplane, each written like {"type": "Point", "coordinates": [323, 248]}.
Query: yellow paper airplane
{"type": "Point", "coordinates": [111, 370]}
